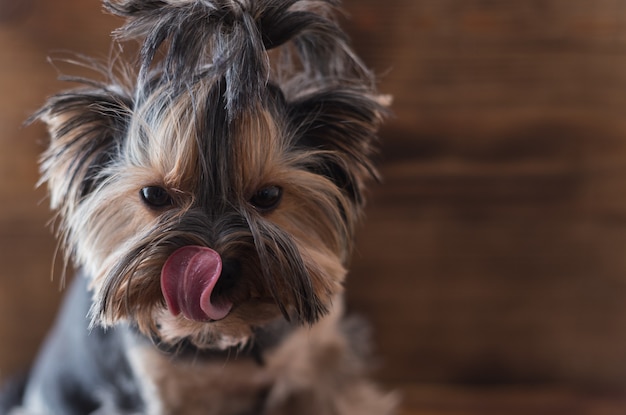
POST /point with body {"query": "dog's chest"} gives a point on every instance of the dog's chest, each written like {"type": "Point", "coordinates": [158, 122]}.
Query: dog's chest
{"type": "Point", "coordinates": [194, 387]}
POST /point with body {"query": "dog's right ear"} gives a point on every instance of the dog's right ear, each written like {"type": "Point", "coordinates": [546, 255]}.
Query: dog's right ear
{"type": "Point", "coordinates": [86, 126]}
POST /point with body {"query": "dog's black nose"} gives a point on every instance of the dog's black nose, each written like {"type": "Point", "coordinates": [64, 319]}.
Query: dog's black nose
{"type": "Point", "coordinates": [231, 271]}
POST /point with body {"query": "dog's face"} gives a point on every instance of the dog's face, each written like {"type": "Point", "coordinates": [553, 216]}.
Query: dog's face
{"type": "Point", "coordinates": [214, 193]}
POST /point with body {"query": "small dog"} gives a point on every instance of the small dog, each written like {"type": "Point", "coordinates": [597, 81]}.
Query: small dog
{"type": "Point", "coordinates": [209, 199]}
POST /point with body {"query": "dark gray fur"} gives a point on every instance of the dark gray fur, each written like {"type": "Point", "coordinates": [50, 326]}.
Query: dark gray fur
{"type": "Point", "coordinates": [82, 371]}
{"type": "Point", "coordinates": [232, 38]}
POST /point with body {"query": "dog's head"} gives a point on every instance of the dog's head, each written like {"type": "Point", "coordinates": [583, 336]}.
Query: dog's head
{"type": "Point", "coordinates": [218, 189]}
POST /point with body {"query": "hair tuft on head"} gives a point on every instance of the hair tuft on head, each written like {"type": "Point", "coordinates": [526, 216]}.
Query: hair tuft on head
{"type": "Point", "coordinates": [183, 40]}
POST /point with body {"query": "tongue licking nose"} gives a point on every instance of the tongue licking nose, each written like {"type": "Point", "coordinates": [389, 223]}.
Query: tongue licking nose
{"type": "Point", "coordinates": [188, 279]}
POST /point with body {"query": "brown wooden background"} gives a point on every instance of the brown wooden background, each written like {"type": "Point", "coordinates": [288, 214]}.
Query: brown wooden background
{"type": "Point", "coordinates": [494, 253]}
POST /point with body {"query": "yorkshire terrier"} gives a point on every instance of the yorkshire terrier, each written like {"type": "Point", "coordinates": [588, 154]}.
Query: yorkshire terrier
{"type": "Point", "coordinates": [209, 199]}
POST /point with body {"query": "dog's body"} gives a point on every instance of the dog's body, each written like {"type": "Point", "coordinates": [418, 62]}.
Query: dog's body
{"type": "Point", "coordinates": [210, 201]}
{"type": "Point", "coordinates": [116, 371]}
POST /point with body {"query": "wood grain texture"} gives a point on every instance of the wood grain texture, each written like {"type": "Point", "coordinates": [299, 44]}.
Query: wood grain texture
{"type": "Point", "coordinates": [438, 400]}
{"type": "Point", "coordinates": [492, 252]}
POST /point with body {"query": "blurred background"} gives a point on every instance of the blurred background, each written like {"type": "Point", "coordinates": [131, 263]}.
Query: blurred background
{"type": "Point", "coordinates": [492, 260]}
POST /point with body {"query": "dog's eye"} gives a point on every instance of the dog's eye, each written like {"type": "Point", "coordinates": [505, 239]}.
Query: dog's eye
{"type": "Point", "coordinates": [267, 198]}
{"type": "Point", "coordinates": [156, 197]}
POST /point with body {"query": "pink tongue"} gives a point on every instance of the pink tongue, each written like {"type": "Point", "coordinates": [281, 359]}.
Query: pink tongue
{"type": "Point", "coordinates": [187, 281]}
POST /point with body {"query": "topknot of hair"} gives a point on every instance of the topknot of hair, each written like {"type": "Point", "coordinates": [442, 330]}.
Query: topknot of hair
{"type": "Point", "coordinates": [186, 40]}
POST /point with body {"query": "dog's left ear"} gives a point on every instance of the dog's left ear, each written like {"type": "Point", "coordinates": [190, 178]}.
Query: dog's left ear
{"type": "Point", "coordinates": [86, 126]}
{"type": "Point", "coordinates": [343, 124]}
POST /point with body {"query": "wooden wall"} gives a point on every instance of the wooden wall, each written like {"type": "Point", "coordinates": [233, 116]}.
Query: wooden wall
{"type": "Point", "coordinates": [493, 251]}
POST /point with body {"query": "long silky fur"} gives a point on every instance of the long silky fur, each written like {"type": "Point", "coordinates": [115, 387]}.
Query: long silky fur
{"type": "Point", "coordinates": [229, 96]}
{"type": "Point", "coordinates": [233, 37]}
